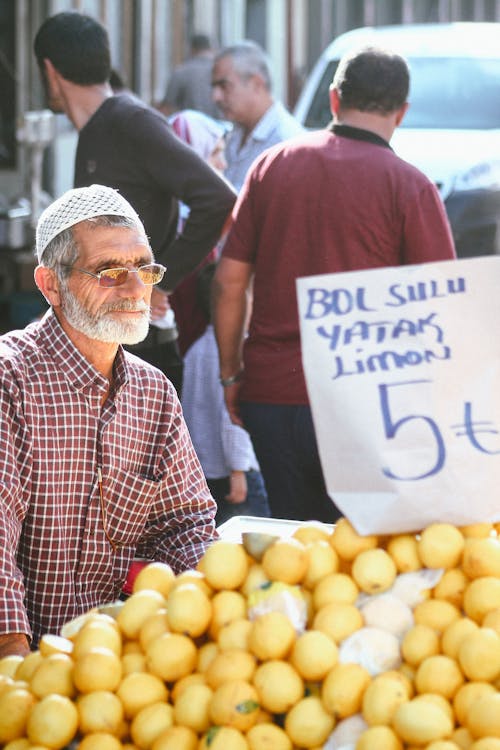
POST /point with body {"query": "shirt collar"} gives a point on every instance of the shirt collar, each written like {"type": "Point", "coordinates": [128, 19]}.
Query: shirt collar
{"type": "Point", "coordinates": [266, 124]}
{"type": "Point", "coordinates": [71, 362]}
{"type": "Point", "coordinates": [358, 134]}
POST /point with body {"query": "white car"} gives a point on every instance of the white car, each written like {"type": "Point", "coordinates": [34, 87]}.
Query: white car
{"type": "Point", "coordinates": [452, 129]}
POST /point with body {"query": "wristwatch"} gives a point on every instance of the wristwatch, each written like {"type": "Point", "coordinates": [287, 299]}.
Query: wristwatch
{"type": "Point", "coordinates": [225, 382]}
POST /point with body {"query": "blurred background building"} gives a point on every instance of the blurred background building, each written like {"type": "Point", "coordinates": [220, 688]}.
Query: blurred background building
{"type": "Point", "coordinates": [149, 38]}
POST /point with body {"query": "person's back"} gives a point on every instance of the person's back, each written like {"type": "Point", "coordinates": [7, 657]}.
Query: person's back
{"type": "Point", "coordinates": [189, 86]}
{"type": "Point", "coordinates": [335, 200]}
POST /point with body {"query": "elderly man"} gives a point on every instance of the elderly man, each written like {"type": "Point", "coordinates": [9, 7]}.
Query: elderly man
{"type": "Point", "coordinates": [242, 89]}
{"type": "Point", "coordinates": [97, 466]}
{"type": "Point", "coordinates": [334, 200]}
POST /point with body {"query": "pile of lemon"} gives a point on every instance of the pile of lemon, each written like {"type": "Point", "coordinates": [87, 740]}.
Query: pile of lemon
{"type": "Point", "coordinates": [325, 639]}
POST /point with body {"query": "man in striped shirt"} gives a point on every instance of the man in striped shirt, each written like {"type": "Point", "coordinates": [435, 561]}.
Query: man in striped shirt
{"type": "Point", "coordinates": [97, 467]}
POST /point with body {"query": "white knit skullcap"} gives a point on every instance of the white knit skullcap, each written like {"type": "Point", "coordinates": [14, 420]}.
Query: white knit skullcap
{"type": "Point", "coordinates": [78, 205]}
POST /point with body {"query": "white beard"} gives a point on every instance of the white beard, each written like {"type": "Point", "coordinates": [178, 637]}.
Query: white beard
{"type": "Point", "coordinates": [103, 327]}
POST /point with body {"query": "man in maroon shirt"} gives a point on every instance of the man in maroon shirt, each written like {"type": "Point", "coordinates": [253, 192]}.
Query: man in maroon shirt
{"type": "Point", "coordinates": [333, 200]}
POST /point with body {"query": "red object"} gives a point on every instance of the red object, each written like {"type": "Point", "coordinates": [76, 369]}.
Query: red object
{"type": "Point", "coordinates": [133, 571]}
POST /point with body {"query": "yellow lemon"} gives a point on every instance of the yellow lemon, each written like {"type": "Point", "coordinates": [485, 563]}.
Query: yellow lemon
{"type": "Point", "coordinates": [336, 587]}
{"type": "Point", "coordinates": [313, 655]}
{"type": "Point", "coordinates": [342, 689]}
{"type": "Point", "coordinates": [155, 625]}
{"type": "Point", "coordinates": [374, 571]}
{"type": "Point", "coordinates": [225, 565]}
{"type": "Point", "coordinates": [483, 717]}
{"type": "Point", "coordinates": [347, 542]}
{"type": "Point", "coordinates": [452, 586]}
{"type": "Point", "coordinates": [418, 643]}
{"type": "Point", "coordinates": [134, 662]}
{"type": "Point", "coordinates": [267, 736]}
{"type": "Point", "coordinates": [379, 738]}
{"type": "Point", "coordinates": [278, 685]}
{"type": "Point", "coordinates": [466, 695]}
{"type": "Point", "coordinates": [436, 613]}
{"type": "Point", "coordinates": [223, 738]}
{"type": "Point", "coordinates": [191, 709]}
{"type": "Point", "coordinates": [234, 634]}
{"type": "Point", "coordinates": [454, 634]}
{"type": "Point", "coordinates": [229, 665]}
{"type": "Point", "coordinates": [136, 610]}
{"type": "Point", "coordinates": [10, 664]}
{"type": "Point", "coordinates": [53, 722]}
{"type": "Point", "coordinates": [235, 704]}
{"type": "Point", "coordinates": [272, 636]}
{"type": "Point", "coordinates": [97, 669]}
{"type": "Point", "coordinates": [438, 700]}
{"type": "Point", "coordinates": [482, 558]}
{"type": "Point", "coordinates": [403, 549]}
{"type": "Point", "coordinates": [158, 576]}
{"type": "Point", "coordinates": [54, 644]}
{"type": "Point", "coordinates": [421, 722]}
{"type": "Point", "coordinates": [338, 620]}
{"type": "Point", "coordinates": [440, 546]}
{"type": "Point", "coordinates": [323, 561]}
{"type": "Point", "coordinates": [312, 531]}
{"type": "Point", "coordinates": [477, 530]}
{"type": "Point", "coordinates": [149, 723]}
{"type": "Point", "coordinates": [491, 620]}
{"type": "Point", "coordinates": [194, 576]}
{"type": "Point", "coordinates": [15, 707]}
{"type": "Point", "coordinates": [286, 560]}
{"type": "Point", "coordinates": [479, 655]}
{"type": "Point", "coordinates": [308, 724]}
{"type": "Point", "coordinates": [176, 738]}
{"type": "Point", "coordinates": [486, 743]}
{"type": "Point", "coordinates": [189, 610]}
{"type": "Point", "coordinates": [442, 745]}
{"type": "Point", "coordinates": [462, 737]}
{"type": "Point", "coordinates": [206, 653]}
{"type": "Point", "coordinates": [226, 607]}
{"type": "Point", "coordinates": [171, 656]}
{"type": "Point", "coordinates": [140, 689]}
{"type": "Point", "coordinates": [255, 579]}
{"type": "Point", "coordinates": [100, 741]}
{"type": "Point", "coordinates": [97, 633]}
{"type": "Point", "coordinates": [54, 674]}
{"type": "Point", "coordinates": [382, 697]}
{"type": "Point", "coordinates": [195, 678]}
{"type": "Point", "coordinates": [22, 743]}
{"type": "Point", "coordinates": [438, 674]}
{"type": "Point", "coordinates": [100, 711]}
{"type": "Point", "coordinates": [27, 667]}
{"type": "Point", "coordinates": [481, 596]}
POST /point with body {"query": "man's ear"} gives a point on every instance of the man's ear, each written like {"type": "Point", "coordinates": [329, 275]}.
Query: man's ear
{"type": "Point", "coordinates": [334, 101]}
{"type": "Point", "coordinates": [401, 113]}
{"type": "Point", "coordinates": [47, 282]}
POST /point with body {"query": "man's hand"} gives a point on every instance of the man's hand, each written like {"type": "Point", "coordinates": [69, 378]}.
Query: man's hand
{"type": "Point", "coordinates": [232, 399]}
{"type": "Point", "coordinates": [237, 488]}
{"type": "Point", "coordinates": [14, 644]}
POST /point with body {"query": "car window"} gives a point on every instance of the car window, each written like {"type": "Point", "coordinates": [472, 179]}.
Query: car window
{"type": "Point", "coordinates": [445, 93]}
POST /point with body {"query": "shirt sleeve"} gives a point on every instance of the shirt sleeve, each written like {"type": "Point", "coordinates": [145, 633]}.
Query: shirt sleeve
{"type": "Point", "coordinates": [181, 524]}
{"type": "Point", "coordinates": [237, 445]}
{"type": "Point", "coordinates": [178, 170]}
{"type": "Point", "coordinates": [13, 507]}
{"type": "Point", "coordinates": [427, 233]}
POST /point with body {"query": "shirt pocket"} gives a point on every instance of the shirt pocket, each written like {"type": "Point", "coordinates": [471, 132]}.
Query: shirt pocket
{"type": "Point", "coordinates": [127, 500]}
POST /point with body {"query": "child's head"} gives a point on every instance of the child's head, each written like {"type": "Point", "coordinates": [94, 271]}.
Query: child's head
{"type": "Point", "coordinates": [203, 288]}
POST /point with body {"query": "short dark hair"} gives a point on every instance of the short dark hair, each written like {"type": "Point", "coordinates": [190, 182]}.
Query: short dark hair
{"type": "Point", "coordinates": [372, 80]}
{"type": "Point", "coordinates": [76, 45]}
{"type": "Point", "coordinates": [200, 42]}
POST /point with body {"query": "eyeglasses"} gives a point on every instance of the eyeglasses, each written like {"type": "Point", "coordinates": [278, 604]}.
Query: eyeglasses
{"type": "Point", "coordinates": [151, 273]}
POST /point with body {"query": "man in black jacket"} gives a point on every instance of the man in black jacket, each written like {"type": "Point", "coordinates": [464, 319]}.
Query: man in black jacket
{"type": "Point", "coordinates": [128, 146]}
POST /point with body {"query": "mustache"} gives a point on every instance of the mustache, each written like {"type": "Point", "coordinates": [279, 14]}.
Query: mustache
{"type": "Point", "coordinates": [127, 305]}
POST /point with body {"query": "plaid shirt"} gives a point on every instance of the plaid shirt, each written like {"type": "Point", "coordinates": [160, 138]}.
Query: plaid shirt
{"type": "Point", "coordinates": [56, 560]}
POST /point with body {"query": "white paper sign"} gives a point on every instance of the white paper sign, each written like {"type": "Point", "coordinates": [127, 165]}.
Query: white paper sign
{"type": "Point", "coordinates": [403, 373]}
